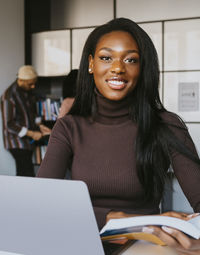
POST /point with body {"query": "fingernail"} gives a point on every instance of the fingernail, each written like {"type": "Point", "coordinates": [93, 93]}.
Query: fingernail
{"type": "Point", "coordinates": [193, 215]}
{"type": "Point", "coordinates": [168, 230]}
{"type": "Point", "coordinates": [147, 230]}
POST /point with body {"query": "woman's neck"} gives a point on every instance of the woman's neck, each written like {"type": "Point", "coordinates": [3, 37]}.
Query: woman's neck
{"type": "Point", "coordinates": [111, 112]}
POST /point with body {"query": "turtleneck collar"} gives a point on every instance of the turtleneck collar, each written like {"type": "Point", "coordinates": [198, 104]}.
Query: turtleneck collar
{"type": "Point", "coordinates": [111, 112]}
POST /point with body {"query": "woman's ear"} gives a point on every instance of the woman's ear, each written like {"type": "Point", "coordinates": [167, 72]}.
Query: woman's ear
{"type": "Point", "coordinates": [91, 62]}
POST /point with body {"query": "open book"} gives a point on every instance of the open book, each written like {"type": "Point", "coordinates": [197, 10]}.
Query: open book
{"type": "Point", "coordinates": [131, 227]}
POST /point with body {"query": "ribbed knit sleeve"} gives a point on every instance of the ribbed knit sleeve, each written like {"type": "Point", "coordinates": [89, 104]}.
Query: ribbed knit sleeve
{"type": "Point", "coordinates": [59, 151]}
{"type": "Point", "coordinates": [186, 171]}
{"type": "Point", "coordinates": [188, 175]}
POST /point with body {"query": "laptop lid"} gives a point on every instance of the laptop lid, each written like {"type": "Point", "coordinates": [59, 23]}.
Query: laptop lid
{"type": "Point", "coordinates": [40, 216]}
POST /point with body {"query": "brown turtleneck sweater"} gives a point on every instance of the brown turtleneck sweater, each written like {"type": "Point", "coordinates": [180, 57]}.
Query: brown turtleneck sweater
{"type": "Point", "coordinates": [104, 158]}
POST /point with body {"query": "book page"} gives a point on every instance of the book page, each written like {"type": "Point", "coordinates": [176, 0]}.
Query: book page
{"type": "Point", "coordinates": [195, 221]}
{"type": "Point", "coordinates": [126, 224]}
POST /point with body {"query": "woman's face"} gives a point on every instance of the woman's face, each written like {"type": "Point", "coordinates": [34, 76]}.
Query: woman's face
{"type": "Point", "coordinates": [116, 65]}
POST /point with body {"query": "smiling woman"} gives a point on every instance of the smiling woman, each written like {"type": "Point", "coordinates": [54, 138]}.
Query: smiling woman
{"type": "Point", "coordinates": [115, 65]}
{"type": "Point", "coordinates": [118, 135]}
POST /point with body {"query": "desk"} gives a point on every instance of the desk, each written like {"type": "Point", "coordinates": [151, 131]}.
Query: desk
{"type": "Point", "coordinates": [145, 248]}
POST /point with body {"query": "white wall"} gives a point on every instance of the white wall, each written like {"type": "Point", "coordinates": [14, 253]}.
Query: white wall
{"type": "Point", "coordinates": [11, 58]}
{"type": "Point", "coordinates": [144, 10]}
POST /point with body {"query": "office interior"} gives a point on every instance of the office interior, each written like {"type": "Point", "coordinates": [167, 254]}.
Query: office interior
{"type": "Point", "coordinates": [173, 25]}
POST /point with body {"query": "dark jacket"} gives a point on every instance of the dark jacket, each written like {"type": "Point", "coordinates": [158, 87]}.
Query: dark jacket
{"type": "Point", "coordinates": [18, 110]}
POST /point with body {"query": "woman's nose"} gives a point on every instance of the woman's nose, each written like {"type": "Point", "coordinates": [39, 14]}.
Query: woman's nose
{"type": "Point", "coordinates": [117, 67]}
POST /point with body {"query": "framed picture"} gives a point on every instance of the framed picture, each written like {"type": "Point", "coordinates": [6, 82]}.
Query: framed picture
{"type": "Point", "coordinates": [182, 94]}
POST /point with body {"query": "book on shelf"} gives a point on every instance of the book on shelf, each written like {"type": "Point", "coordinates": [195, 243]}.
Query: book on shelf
{"type": "Point", "coordinates": [131, 228]}
{"type": "Point", "coordinates": [48, 108]}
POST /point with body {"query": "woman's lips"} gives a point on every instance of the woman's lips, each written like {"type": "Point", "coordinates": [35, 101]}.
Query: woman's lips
{"type": "Point", "coordinates": [116, 83]}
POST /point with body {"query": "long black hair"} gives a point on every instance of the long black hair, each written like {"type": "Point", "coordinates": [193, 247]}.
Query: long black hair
{"type": "Point", "coordinates": [154, 137]}
{"type": "Point", "coordinates": [69, 84]}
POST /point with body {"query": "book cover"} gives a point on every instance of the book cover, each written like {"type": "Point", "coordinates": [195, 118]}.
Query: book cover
{"type": "Point", "coordinates": [131, 227]}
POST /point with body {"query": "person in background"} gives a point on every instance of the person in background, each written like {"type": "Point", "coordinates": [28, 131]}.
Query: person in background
{"type": "Point", "coordinates": [69, 90]}
{"type": "Point", "coordinates": [120, 137]}
{"type": "Point", "coordinates": [20, 123]}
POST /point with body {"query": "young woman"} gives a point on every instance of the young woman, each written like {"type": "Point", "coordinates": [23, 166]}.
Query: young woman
{"type": "Point", "coordinates": [118, 136]}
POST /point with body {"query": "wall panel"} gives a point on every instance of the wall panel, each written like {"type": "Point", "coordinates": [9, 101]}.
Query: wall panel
{"type": "Point", "coordinates": [80, 13]}
{"type": "Point", "coordinates": [79, 37]}
{"type": "Point", "coordinates": [143, 10]}
{"type": "Point", "coordinates": [182, 45]}
{"type": "Point", "coordinates": [51, 52]}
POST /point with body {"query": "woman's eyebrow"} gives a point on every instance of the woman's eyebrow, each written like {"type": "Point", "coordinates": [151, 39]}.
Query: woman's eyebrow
{"type": "Point", "coordinates": [128, 51]}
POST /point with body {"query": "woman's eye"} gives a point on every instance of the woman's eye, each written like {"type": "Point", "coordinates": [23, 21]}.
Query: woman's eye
{"type": "Point", "coordinates": [131, 60]}
{"type": "Point", "coordinates": [105, 58]}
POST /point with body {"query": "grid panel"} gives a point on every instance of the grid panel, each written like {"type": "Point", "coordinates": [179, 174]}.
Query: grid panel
{"type": "Point", "coordinates": [182, 45]}
{"type": "Point", "coordinates": [79, 37]}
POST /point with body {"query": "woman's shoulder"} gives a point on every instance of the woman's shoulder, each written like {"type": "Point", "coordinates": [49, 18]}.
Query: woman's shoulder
{"type": "Point", "coordinates": [69, 120]}
{"type": "Point", "coordinates": [69, 125]}
{"type": "Point", "coordinates": [172, 119]}
{"type": "Point", "coordinates": [66, 120]}
{"type": "Point", "coordinates": [63, 127]}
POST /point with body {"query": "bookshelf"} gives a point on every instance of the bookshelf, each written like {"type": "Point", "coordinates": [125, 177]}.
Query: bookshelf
{"type": "Point", "coordinates": [49, 98]}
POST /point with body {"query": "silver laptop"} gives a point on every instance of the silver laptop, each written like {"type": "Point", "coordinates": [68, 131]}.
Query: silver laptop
{"type": "Point", "coordinates": [40, 216]}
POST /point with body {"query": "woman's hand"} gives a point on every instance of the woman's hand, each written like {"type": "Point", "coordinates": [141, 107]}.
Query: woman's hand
{"type": "Point", "coordinates": [180, 215]}
{"type": "Point", "coordinates": [176, 239]}
{"type": "Point", "coordinates": [118, 215]}
{"type": "Point", "coordinates": [173, 238]}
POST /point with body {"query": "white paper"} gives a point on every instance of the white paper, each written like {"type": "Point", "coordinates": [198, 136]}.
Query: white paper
{"type": "Point", "coordinates": [188, 96]}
